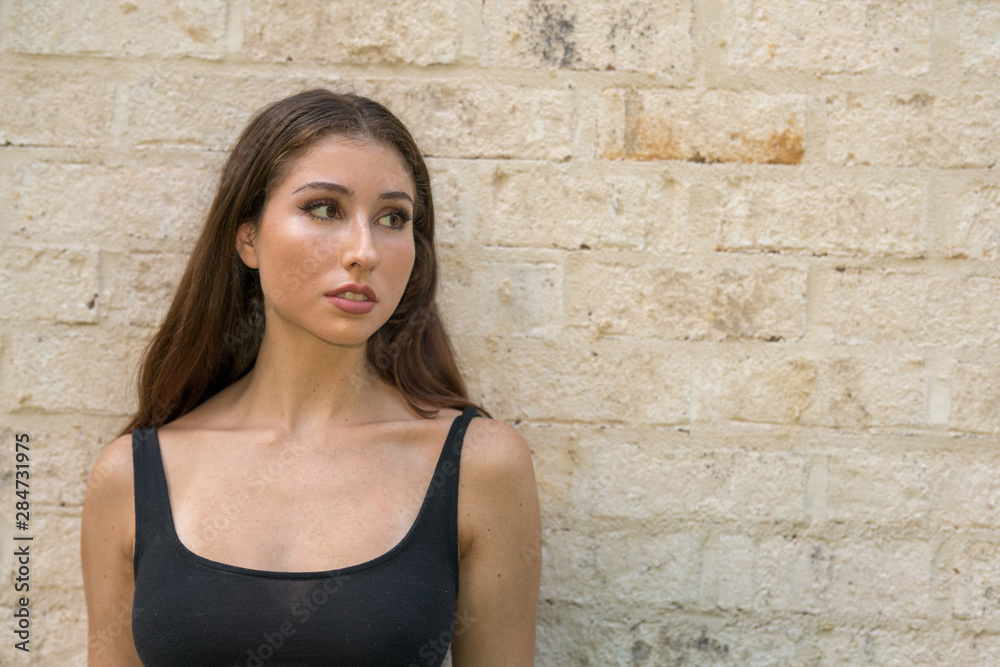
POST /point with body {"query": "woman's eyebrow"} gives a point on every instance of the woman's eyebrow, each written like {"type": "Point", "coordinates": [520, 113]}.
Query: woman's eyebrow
{"type": "Point", "coordinates": [347, 192]}
{"type": "Point", "coordinates": [327, 185]}
{"type": "Point", "coordinates": [396, 195]}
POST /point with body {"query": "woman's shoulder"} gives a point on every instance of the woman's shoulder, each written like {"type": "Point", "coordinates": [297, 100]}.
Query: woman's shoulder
{"type": "Point", "coordinates": [496, 464]}
{"type": "Point", "coordinates": [112, 471]}
{"type": "Point", "coordinates": [109, 501]}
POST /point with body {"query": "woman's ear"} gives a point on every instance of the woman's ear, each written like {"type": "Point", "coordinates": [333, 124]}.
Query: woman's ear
{"type": "Point", "coordinates": [244, 244]}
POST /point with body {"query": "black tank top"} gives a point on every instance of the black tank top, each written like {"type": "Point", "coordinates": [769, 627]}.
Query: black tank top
{"type": "Point", "coordinates": [395, 610]}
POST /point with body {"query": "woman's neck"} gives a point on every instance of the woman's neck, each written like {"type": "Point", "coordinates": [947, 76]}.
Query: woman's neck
{"type": "Point", "coordinates": [307, 384]}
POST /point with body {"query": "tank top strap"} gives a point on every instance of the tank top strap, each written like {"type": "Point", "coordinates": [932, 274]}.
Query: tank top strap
{"type": "Point", "coordinates": [452, 452]}
{"type": "Point", "coordinates": [443, 509]}
{"type": "Point", "coordinates": [152, 518]}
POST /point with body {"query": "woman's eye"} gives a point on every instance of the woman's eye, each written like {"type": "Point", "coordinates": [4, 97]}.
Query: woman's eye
{"type": "Point", "coordinates": [323, 211]}
{"type": "Point", "coordinates": [394, 219]}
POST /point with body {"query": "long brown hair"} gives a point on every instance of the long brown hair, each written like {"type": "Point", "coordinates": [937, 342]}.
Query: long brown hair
{"type": "Point", "coordinates": [212, 332]}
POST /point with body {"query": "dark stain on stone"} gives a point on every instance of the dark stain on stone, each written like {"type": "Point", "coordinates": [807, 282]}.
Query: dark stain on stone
{"type": "Point", "coordinates": [554, 29]}
{"type": "Point", "coordinates": [683, 648]}
{"type": "Point", "coordinates": [640, 652]}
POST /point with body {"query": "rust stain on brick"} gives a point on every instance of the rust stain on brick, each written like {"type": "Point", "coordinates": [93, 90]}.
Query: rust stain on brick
{"type": "Point", "coordinates": [779, 148]}
{"type": "Point", "coordinates": [651, 138]}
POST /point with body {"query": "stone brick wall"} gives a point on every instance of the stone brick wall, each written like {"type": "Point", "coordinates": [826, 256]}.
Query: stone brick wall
{"type": "Point", "coordinates": [730, 266]}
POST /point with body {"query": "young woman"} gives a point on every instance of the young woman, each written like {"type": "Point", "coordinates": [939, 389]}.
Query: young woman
{"type": "Point", "coordinates": [304, 482]}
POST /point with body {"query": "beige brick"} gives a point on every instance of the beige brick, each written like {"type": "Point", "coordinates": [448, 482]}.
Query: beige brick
{"type": "Point", "coordinates": [58, 626]}
{"type": "Point", "coordinates": [658, 569]}
{"type": "Point", "coordinates": [41, 107]}
{"type": "Point", "coordinates": [395, 31]}
{"type": "Point", "coordinates": [880, 644]}
{"type": "Point", "coordinates": [973, 227]}
{"type": "Point", "coordinates": [202, 109]}
{"type": "Point", "coordinates": [553, 450]}
{"type": "Point", "coordinates": [766, 303]}
{"type": "Point", "coordinates": [138, 288]}
{"type": "Point", "coordinates": [69, 202]}
{"type": "Point", "coordinates": [63, 450]}
{"type": "Point", "coordinates": [862, 391]}
{"type": "Point", "coordinates": [56, 284]}
{"type": "Point", "coordinates": [595, 205]}
{"type": "Point", "coordinates": [57, 545]}
{"type": "Point", "coordinates": [642, 35]}
{"type": "Point", "coordinates": [623, 474]}
{"type": "Point", "coordinates": [712, 126]}
{"type": "Point", "coordinates": [872, 305]}
{"type": "Point", "coordinates": [482, 119]}
{"type": "Point", "coordinates": [972, 579]}
{"type": "Point", "coordinates": [132, 28]}
{"type": "Point", "coordinates": [880, 488]}
{"type": "Point", "coordinates": [749, 386]}
{"type": "Point", "coordinates": [702, 640]}
{"type": "Point", "coordinates": [847, 37]}
{"type": "Point", "coordinates": [817, 216]}
{"type": "Point", "coordinates": [796, 574]}
{"type": "Point", "coordinates": [978, 26]}
{"type": "Point", "coordinates": [914, 129]}
{"type": "Point", "coordinates": [975, 397]}
{"type": "Point", "coordinates": [72, 370]}
{"type": "Point", "coordinates": [501, 295]}
{"type": "Point", "coordinates": [572, 377]}
{"type": "Point", "coordinates": [967, 488]}
{"type": "Point", "coordinates": [449, 183]}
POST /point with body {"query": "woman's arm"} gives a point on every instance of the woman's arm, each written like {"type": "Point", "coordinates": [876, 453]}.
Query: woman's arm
{"type": "Point", "coordinates": [500, 535]}
{"type": "Point", "coordinates": [107, 535]}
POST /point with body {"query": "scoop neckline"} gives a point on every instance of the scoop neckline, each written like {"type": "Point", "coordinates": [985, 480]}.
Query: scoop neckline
{"type": "Point", "coordinates": [307, 574]}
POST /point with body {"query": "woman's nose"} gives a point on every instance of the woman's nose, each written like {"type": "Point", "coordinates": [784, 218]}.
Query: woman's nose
{"type": "Point", "coordinates": [360, 251]}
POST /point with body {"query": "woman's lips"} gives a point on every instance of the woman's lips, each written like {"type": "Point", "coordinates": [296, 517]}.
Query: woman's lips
{"type": "Point", "coordinates": [353, 298]}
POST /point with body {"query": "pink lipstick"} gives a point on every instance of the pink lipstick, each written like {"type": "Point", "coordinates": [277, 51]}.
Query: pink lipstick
{"type": "Point", "coordinates": [353, 298]}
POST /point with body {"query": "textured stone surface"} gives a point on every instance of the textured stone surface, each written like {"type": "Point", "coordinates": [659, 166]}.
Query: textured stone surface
{"type": "Point", "coordinates": [502, 296]}
{"type": "Point", "coordinates": [685, 304]}
{"type": "Point", "coordinates": [138, 288]}
{"type": "Point", "coordinates": [396, 31]}
{"type": "Point", "coordinates": [978, 25]}
{"type": "Point", "coordinates": [64, 448]}
{"type": "Point", "coordinates": [975, 400]}
{"type": "Point", "coordinates": [73, 203]}
{"type": "Point", "coordinates": [555, 206]}
{"type": "Point", "coordinates": [714, 126]}
{"type": "Point", "coordinates": [800, 575]}
{"type": "Point", "coordinates": [847, 37]}
{"type": "Point", "coordinates": [49, 284]}
{"type": "Point", "coordinates": [633, 474]}
{"type": "Point", "coordinates": [642, 35]}
{"type": "Point", "coordinates": [131, 28]}
{"type": "Point", "coordinates": [579, 377]}
{"type": "Point", "coordinates": [974, 222]}
{"type": "Point", "coordinates": [204, 110]}
{"type": "Point", "coordinates": [57, 369]}
{"type": "Point", "coordinates": [816, 217]}
{"type": "Point", "coordinates": [74, 111]}
{"type": "Point", "coordinates": [881, 488]}
{"type": "Point", "coordinates": [846, 392]}
{"type": "Point", "coordinates": [859, 391]}
{"type": "Point", "coordinates": [473, 119]}
{"type": "Point", "coordinates": [920, 308]}
{"type": "Point", "coordinates": [914, 129]}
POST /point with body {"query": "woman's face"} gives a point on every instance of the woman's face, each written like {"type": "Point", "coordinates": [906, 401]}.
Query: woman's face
{"type": "Point", "coordinates": [334, 243]}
